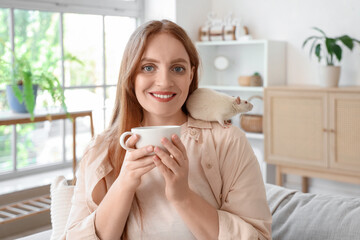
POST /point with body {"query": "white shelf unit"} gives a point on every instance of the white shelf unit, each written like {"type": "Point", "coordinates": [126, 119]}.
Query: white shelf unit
{"type": "Point", "coordinates": [266, 57]}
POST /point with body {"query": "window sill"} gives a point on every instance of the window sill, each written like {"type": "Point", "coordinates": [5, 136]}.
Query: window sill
{"type": "Point", "coordinates": [33, 181]}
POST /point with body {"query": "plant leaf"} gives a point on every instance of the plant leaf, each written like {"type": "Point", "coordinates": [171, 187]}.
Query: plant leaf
{"type": "Point", "coordinates": [312, 47]}
{"type": "Point", "coordinates": [347, 41]}
{"type": "Point", "coordinates": [337, 51]}
{"type": "Point", "coordinates": [321, 31]}
{"type": "Point", "coordinates": [308, 39]}
{"type": "Point", "coordinates": [330, 42]}
{"type": "Point", "coordinates": [355, 40]}
{"type": "Point", "coordinates": [18, 93]}
{"type": "Point", "coordinates": [317, 51]}
{"type": "Point", "coordinates": [29, 97]}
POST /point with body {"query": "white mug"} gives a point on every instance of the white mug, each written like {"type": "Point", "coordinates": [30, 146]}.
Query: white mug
{"type": "Point", "coordinates": [151, 135]}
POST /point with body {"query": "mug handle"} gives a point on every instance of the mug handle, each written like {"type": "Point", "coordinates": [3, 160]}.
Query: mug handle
{"type": "Point", "coordinates": [122, 143]}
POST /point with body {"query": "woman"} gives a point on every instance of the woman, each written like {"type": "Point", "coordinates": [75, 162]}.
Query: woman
{"type": "Point", "coordinates": [208, 186]}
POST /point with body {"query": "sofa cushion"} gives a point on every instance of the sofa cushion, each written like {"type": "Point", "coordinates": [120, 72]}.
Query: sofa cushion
{"type": "Point", "coordinates": [298, 215]}
{"type": "Point", "coordinates": [61, 194]}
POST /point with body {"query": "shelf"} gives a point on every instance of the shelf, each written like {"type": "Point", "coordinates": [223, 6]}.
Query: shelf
{"type": "Point", "coordinates": [255, 135]}
{"type": "Point", "coordinates": [234, 88]}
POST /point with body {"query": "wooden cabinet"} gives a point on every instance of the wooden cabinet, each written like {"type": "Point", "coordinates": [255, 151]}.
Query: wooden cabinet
{"type": "Point", "coordinates": [313, 132]}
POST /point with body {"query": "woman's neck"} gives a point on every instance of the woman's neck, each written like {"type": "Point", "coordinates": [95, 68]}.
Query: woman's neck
{"type": "Point", "coordinates": [160, 121]}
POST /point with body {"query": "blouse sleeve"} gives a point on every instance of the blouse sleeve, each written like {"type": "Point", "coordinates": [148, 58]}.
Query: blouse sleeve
{"type": "Point", "coordinates": [81, 222]}
{"type": "Point", "coordinates": [244, 212]}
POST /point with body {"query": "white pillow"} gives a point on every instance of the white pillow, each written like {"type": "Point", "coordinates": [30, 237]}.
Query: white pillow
{"type": "Point", "coordinates": [61, 194]}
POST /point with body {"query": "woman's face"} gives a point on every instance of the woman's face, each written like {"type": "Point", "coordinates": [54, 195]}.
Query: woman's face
{"type": "Point", "coordinates": [163, 79]}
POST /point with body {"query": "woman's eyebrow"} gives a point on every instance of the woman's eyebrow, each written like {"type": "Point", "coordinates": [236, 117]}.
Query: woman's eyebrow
{"type": "Point", "coordinates": [149, 60]}
{"type": "Point", "coordinates": [177, 60]}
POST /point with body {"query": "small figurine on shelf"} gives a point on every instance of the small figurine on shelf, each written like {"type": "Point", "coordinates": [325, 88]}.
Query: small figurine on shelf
{"type": "Point", "coordinates": [229, 28]}
{"type": "Point", "coordinates": [226, 29]}
{"type": "Point", "coordinates": [217, 28]}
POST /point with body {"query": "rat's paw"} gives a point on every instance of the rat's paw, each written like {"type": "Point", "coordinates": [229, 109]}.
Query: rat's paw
{"type": "Point", "coordinates": [225, 123]}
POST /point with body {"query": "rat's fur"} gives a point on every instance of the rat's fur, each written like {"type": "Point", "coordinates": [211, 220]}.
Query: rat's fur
{"type": "Point", "coordinates": [210, 105]}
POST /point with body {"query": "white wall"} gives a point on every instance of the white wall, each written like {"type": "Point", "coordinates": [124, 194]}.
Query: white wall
{"type": "Point", "coordinates": [160, 9]}
{"type": "Point", "coordinates": [291, 21]}
{"type": "Point", "coordinates": [189, 14]}
{"type": "Point", "coordinates": [288, 21]}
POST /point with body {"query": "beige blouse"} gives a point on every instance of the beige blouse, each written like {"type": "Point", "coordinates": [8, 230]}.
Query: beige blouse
{"type": "Point", "coordinates": [223, 170]}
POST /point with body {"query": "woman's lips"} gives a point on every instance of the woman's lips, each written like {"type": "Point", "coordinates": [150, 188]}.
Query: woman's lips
{"type": "Point", "coordinates": [163, 96]}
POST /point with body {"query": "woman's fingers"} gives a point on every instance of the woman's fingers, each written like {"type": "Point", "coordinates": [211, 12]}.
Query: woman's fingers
{"type": "Point", "coordinates": [146, 168]}
{"type": "Point", "coordinates": [130, 143]}
{"type": "Point", "coordinates": [164, 170]}
{"type": "Point", "coordinates": [140, 153]}
{"type": "Point", "coordinates": [138, 163]}
{"type": "Point", "coordinates": [167, 160]}
{"type": "Point", "coordinates": [177, 142]}
{"type": "Point", "coordinates": [175, 148]}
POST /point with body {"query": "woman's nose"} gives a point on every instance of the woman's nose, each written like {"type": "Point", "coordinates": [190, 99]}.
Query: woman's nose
{"type": "Point", "coordinates": [164, 79]}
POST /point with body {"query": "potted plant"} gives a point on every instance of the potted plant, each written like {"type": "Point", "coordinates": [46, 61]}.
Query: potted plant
{"type": "Point", "coordinates": [328, 50]}
{"type": "Point", "coordinates": [22, 80]}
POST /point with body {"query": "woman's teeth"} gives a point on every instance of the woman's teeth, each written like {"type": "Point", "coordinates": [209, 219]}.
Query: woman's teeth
{"type": "Point", "coordinates": [163, 96]}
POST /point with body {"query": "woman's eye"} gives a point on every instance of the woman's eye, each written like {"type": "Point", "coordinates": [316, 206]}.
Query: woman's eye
{"type": "Point", "coordinates": [179, 69]}
{"type": "Point", "coordinates": [148, 68]}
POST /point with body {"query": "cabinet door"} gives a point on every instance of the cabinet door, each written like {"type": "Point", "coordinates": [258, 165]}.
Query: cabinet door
{"type": "Point", "coordinates": [344, 132]}
{"type": "Point", "coordinates": [294, 128]}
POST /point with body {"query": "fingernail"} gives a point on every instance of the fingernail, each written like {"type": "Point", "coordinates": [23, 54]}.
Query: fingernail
{"type": "Point", "coordinates": [164, 140]}
{"type": "Point", "coordinates": [175, 136]}
{"type": "Point", "coordinates": [149, 148]}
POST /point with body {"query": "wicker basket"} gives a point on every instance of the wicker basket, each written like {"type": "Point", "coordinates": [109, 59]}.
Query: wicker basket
{"type": "Point", "coordinates": [252, 122]}
{"type": "Point", "coordinates": [250, 81]}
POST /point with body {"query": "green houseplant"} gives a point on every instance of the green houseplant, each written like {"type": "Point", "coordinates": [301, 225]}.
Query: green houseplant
{"type": "Point", "coordinates": [23, 78]}
{"type": "Point", "coordinates": [329, 50]}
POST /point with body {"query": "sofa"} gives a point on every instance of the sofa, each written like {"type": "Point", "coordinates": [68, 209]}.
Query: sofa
{"type": "Point", "coordinates": [296, 215]}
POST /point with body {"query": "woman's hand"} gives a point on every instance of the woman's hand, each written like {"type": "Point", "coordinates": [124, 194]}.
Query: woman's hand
{"type": "Point", "coordinates": [175, 168]}
{"type": "Point", "coordinates": [136, 164]}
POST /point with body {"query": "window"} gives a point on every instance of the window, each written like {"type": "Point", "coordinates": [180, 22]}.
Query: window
{"type": "Point", "coordinates": [46, 30]}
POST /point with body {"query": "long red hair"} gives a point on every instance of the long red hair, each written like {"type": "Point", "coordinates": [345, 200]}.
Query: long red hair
{"type": "Point", "coordinates": [127, 112]}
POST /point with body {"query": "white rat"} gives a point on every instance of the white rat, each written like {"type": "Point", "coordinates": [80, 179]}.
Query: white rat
{"type": "Point", "coordinates": [210, 105]}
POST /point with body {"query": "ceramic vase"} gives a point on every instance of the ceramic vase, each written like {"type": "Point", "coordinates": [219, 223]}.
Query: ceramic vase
{"type": "Point", "coordinates": [329, 76]}
{"type": "Point", "coordinates": [14, 103]}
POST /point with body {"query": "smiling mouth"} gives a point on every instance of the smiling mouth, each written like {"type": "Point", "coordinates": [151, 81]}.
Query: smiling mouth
{"type": "Point", "coordinates": [163, 97]}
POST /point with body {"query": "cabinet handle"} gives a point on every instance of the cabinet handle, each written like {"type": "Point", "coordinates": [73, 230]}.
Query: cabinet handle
{"type": "Point", "coordinates": [328, 130]}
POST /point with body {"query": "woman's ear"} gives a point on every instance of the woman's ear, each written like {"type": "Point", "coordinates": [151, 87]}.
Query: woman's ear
{"type": "Point", "coordinates": [192, 73]}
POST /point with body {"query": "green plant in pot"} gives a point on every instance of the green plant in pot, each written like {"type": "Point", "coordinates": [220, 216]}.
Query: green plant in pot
{"type": "Point", "coordinates": [22, 80]}
{"type": "Point", "coordinates": [329, 50]}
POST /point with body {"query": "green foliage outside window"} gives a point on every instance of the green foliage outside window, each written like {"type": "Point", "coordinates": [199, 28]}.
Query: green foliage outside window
{"type": "Point", "coordinates": [37, 37]}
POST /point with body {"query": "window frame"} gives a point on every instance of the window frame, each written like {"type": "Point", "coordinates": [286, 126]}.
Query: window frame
{"type": "Point", "coordinates": [134, 9]}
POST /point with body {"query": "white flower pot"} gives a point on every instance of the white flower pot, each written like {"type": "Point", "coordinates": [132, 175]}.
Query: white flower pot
{"type": "Point", "coordinates": [329, 76]}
